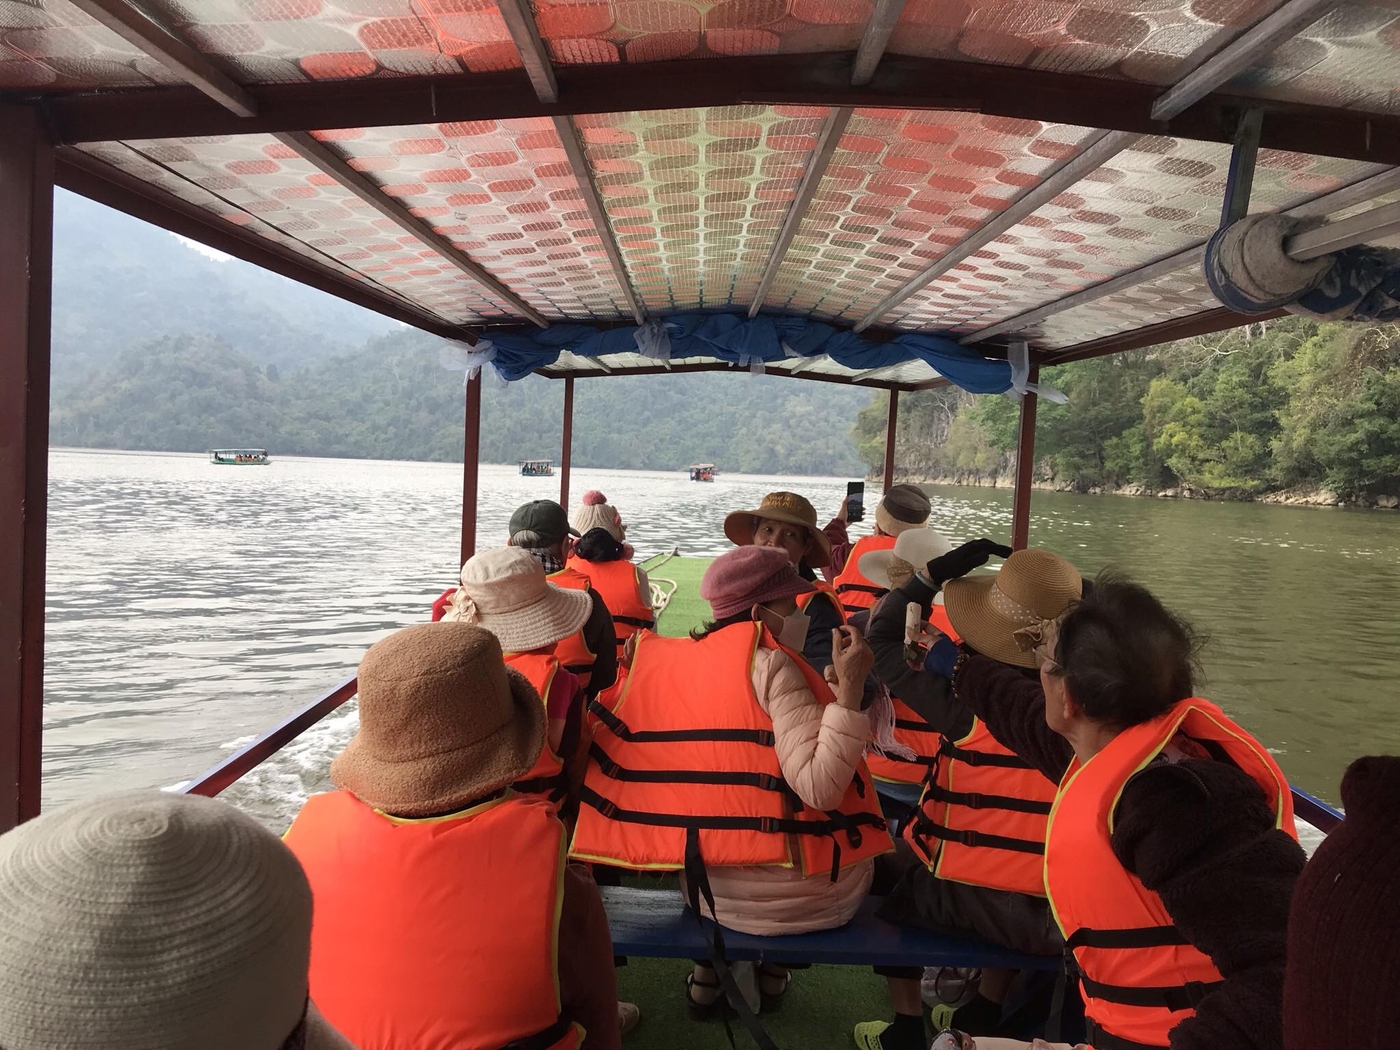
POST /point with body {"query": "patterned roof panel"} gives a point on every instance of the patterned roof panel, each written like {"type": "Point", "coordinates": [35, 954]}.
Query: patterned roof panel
{"type": "Point", "coordinates": [256, 182]}
{"type": "Point", "coordinates": [53, 46]}
{"type": "Point", "coordinates": [503, 193]}
{"type": "Point", "coordinates": [1160, 197]}
{"type": "Point", "coordinates": [902, 188]}
{"type": "Point", "coordinates": [697, 197]}
{"type": "Point", "coordinates": [1173, 295]}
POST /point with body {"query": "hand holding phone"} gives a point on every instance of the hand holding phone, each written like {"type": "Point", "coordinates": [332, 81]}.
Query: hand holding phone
{"type": "Point", "coordinates": [855, 501]}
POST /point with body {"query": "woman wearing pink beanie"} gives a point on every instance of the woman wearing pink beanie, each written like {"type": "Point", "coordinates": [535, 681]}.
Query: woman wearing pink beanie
{"type": "Point", "coordinates": [600, 554]}
{"type": "Point", "coordinates": [773, 801]}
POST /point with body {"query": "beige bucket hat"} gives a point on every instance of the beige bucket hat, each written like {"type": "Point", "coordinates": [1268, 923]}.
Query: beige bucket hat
{"type": "Point", "coordinates": [740, 525]}
{"type": "Point", "coordinates": [506, 592]}
{"type": "Point", "coordinates": [443, 722]}
{"type": "Point", "coordinates": [1033, 590]}
{"type": "Point", "coordinates": [152, 921]}
{"type": "Point", "coordinates": [911, 552]}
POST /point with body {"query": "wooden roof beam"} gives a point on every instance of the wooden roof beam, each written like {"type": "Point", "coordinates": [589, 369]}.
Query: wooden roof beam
{"type": "Point", "coordinates": [875, 39]}
{"type": "Point", "coordinates": [171, 52]}
{"type": "Point", "coordinates": [533, 53]}
{"type": "Point", "coordinates": [338, 168]}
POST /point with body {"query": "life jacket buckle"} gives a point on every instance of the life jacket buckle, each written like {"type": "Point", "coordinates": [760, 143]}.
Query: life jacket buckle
{"type": "Point", "coordinates": [768, 825]}
{"type": "Point", "coordinates": [768, 782]}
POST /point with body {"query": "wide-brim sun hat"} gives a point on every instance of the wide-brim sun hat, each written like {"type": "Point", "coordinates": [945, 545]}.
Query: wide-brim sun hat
{"type": "Point", "coordinates": [146, 920]}
{"type": "Point", "coordinates": [506, 591]}
{"type": "Point", "coordinates": [916, 547]}
{"type": "Point", "coordinates": [1033, 589]}
{"type": "Point", "coordinates": [741, 525]}
{"type": "Point", "coordinates": [738, 580]}
{"type": "Point", "coordinates": [443, 722]}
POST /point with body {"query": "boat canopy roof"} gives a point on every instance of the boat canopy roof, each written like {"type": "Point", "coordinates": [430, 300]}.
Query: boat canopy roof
{"type": "Point", "coordinates": [238, 451]}
{"type": "Point", "coordinates": [888, 194]}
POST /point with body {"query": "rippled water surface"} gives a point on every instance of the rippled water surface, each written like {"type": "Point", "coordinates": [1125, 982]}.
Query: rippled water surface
{"type": "Point", "coordinates": [191, 607]}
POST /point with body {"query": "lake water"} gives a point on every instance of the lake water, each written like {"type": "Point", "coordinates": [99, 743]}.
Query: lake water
{"type": "Point", "coordinates": [190, 607]}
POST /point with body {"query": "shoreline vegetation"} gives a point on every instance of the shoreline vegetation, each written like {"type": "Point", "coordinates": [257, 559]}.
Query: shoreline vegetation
{"type": "Point", "coordinates": [1291, 412]}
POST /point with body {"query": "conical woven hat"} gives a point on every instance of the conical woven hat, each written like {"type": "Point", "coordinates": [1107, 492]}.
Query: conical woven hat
{"type": "Point", "coordinates": [1032, 586]}
{"type": "Point", "coordinates": [151, 921]}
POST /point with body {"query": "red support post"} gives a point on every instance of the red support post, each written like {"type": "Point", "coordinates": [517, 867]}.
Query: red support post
{"type": "Point", "coordinates": [889, 439]}
{"type": "Point", "coordinates": [471, 466]}
{"type": "Point", "coordinates": [26, 278]}
{"type": "Point", "coordinates": [566, 454]}
{"type": "Point", "coordinates": [1025, 468]}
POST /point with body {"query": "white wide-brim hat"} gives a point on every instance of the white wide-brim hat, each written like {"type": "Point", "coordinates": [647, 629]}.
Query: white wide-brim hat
{"type": "Point", "coordinates": [505, 591]}
{"type": "Point", "coordinates": [918, 547]}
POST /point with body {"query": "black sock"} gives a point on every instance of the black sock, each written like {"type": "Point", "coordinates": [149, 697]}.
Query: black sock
{"type": "Point", "coordinates": [905, 1033]}
{"type": "Point", "coordinates": [979, 1017]}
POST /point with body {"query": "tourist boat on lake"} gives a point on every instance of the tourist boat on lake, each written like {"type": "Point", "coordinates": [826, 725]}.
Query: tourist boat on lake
{"type": "Point", "coordinates": [239, 457]}
{"type": "Point", "coordinates": [703, 472]}
{"type": "Point", "coordinates": [787, 198]}
{"type": "Point", "coordinates": [537, 468]}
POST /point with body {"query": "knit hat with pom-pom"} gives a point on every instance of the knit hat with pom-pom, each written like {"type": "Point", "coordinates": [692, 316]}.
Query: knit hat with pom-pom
{"type": "Point", "coordinates": [596, 513]}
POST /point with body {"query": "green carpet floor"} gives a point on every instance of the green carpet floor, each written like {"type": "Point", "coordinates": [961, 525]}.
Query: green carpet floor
{"type": "Point", "coordinates": [823, 1004]}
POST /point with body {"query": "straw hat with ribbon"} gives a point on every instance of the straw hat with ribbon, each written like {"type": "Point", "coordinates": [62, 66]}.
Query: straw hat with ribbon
{"type": "Point", "coordinates": [151, 921]}
{"type": "Point", "coordinates": [505, 591]}
{"type": "Point", "coordinates": [1010, 615]}
{"type": "Point", "coordinates": [741, 525]}
{"type": "Point", "coordinates": [912, 550]}
{"type": "Point", "coordinates": [443, 722]}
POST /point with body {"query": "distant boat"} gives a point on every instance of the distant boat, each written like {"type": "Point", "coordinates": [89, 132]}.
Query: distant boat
{"type": "Point", "coordinates": [703, 472]}
{"type": "Point", "coordinates": [239, 457]}
{"type": "Point", "coordinates": [537, 468]}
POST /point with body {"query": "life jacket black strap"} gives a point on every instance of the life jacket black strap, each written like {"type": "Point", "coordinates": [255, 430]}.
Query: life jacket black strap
{"type": "Point", "coordinates": [981, 758]}
{"type": "Point", "coordinates": [552, 787]}
{"type": "Point", "coordinates": [976, 839]}
{"type": "Point", "coordinates": [579, 669]}
{"type": "Point", "coordinates": [917, 760]}
{"type": "Point", "coordinates": [832, 823]}
{"type": "Point", "coordinates": [762, 781]}
{"type": "Point", "coordinates": [1101, 1040]}
{"type": "Point", "coordinates": [634, 621]}
{"type": "Point", "coordinates": [860, 588]}
{"type": "Point", "coordinates": [911, 726]}
{"type": "Point", "coordinates": [620, 729]}
{"type": "Point", "coordinates": [977, 800]}
{"type": "Point", "coordinates": [1176, 997]}
{"type": "Point", "coordinates": [1133, 937]}
{"type": "Point", "coordinates": [544, 1039]}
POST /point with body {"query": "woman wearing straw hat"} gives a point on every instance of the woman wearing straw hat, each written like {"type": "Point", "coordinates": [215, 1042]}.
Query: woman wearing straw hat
{"type": "Point", "coordinates": [970, 858]}
{"type": "Point", "coordinates": [1171, 852]}
{"type": "Point", "coordinates": [150, 921]}
{"type": "Point", "coordinates": [902, 509]}
{"type": "Point", "coordinates": [438, 890]}
{"type": "Point", "coordinates": [506, 592]}
{"type": "Point", "coordinates": [771, 808]}
{"type": "Point", "coordinates": [788, 522]}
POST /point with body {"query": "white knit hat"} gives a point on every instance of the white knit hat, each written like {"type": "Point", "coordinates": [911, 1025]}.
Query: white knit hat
{"type": "Point", "coordinates": [505, 591]}
{"type": "Point", "coordinates": [596, 513]}
{"type": "Point", "coordinates": [151, 921]}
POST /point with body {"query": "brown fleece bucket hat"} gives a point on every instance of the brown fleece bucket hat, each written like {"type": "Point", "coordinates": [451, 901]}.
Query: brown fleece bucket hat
{"type": "Point", "coordinates": [740, 525]}
{"type": "Point", "coordinates": [1033, 589]}
{"type": "Point", "coordinates": [443, 721]}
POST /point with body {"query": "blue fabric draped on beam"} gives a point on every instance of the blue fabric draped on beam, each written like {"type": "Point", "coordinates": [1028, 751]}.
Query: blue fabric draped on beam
{"type": "Point", "coordinates": [743, 341]}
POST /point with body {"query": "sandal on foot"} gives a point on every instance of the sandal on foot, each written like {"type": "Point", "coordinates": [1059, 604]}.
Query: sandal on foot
{"type": "Point", "coordinates": [694, 1008]}
{"type": "Point", "coordinates": [770, 1001]}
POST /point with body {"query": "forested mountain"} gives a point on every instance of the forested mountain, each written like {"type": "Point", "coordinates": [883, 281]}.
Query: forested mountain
{"type": "Point", "coordinates": [392, 399]}
{"type": "Point", "coordinates": [1287, 404]}
{"type": "Point", "coordinates": [119, 281]}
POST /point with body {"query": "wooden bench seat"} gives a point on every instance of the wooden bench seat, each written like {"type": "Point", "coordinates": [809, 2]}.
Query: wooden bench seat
{"type": "Point", "coordinates": [656, 924]}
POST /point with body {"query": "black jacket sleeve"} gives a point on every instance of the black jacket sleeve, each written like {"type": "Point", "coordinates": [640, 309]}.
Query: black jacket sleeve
{"type": "Point", "coordinates": [1012, 706]}
{"type": "Point", "coordinates": [601, 638]}
{"type": "Point", "coordinates": [930, 695]}
{"type": "Point", "coordinates": [1201, 834]}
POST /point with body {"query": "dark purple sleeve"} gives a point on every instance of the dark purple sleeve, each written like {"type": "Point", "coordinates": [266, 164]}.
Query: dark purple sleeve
{"type": "Point", "coordinates": [1012, 706]}
{"type": "Point", "coordinates": [1201, 834]}
{"type": "Point", "coordinates": [840, 548]}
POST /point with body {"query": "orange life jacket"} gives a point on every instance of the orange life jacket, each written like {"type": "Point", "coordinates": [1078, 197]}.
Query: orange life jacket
{"type": "Point", "coordinates": [573, 651]}
{"type": "Point", "coordinates": [912, 731]}
{"type": "Point", "coordinates": [1139, 975]}
{"type": "Point", "coordinates": [981, 819]}
{"type": "Point", "coordinates": [685, 765]}
{"type": "Point", "coordinates": [824, 592]}
{"type": "Point", "coordinates": [855, 590]}
{"type": "Point", "coordinates": [618, 584]}
{"type": "Point", "coordinates": [437, 934]}
{"type": "Point", "coordinates": [546, 777]}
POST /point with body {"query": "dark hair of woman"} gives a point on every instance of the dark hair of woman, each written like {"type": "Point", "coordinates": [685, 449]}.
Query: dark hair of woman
{"type": "Point", "coordinates": [1126, 656]}
{"type": "Point", "coordinates": [598, 545]}
{"type": "Point", "coordinates": [709, 627]}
